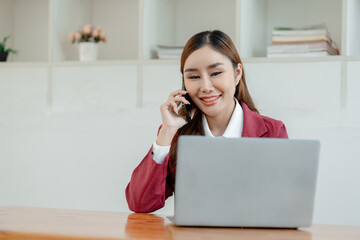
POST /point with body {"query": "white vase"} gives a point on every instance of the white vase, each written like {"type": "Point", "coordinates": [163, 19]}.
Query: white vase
{"type": "Point", "coordinates": [88, 51]}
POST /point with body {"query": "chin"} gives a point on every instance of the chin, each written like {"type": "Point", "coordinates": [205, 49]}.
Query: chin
{"type": "Point", "coordinates": [210, 112]}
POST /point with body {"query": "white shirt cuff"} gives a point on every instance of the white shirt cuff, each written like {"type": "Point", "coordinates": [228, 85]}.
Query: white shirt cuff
{"type": "Point", "coordinates": [159, 152]}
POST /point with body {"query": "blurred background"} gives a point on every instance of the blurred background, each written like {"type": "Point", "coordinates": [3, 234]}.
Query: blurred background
{"type": "Point", "coordinates": [74, 124]}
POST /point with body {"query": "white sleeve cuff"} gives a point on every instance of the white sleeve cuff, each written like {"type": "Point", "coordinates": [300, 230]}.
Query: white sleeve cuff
{"type": "Point", "coordinates": [159, 152]}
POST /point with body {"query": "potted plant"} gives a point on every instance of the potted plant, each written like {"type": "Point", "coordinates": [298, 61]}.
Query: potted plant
{"type": "Point", "coordinates": [4, 52]}
{"type": "Point", "coordinates": [88, 38]}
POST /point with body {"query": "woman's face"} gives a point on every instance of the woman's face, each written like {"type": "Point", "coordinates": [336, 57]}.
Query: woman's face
{"type": "Point", "coordinates": [210, 80]}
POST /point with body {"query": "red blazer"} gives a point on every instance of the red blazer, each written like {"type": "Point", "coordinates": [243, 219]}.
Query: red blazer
{"type": "Point", "coordinates": [148, 189]}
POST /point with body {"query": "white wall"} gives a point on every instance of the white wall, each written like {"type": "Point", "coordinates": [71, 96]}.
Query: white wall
{"type": "Point", "coordinates": [207, 14]}
{"type": "Point", "coordinates": [30, 30]}
{"type": "Point", "coordinates": [77, 148]}
{"type": "Point", "coordinates": [6, 28]}
{"type": "Point", "coordinates": [25, 22]}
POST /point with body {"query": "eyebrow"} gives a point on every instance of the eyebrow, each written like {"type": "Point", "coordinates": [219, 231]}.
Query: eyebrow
{"type": "Point", "coordinates": [209, 67]}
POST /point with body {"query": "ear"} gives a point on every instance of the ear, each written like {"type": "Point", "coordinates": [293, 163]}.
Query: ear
{"type": "Point", "coordinates": [238, 73]}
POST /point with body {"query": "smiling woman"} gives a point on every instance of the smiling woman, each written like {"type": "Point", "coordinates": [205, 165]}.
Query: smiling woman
{"type": "Point", "coordinates": [211, 85]}
{"type": "Point", "coordinates": [214, 81]}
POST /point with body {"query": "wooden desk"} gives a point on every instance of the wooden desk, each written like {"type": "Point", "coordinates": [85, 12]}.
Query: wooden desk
{"type": "Point", "coordinates": [42, 223]}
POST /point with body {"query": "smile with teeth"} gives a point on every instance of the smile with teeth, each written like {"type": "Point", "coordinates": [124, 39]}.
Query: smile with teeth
{"type": "Point", "coordinates": [211, 100]}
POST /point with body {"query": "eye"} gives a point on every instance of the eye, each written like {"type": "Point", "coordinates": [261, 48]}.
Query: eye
{"type": "Point", "coordinates": [215, 73]}
{"type": "Point", "coordinates": [193, 77]}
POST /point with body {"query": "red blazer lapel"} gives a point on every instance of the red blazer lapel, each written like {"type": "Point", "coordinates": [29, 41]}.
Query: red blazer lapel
{"type": "Point", "coordinates": [253, 123]}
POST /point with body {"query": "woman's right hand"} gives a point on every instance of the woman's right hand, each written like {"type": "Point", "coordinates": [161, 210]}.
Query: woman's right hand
{"type": "Point", "coordinates": [171, 120]}
{"type": "Point", "coordinates": [169, 110]}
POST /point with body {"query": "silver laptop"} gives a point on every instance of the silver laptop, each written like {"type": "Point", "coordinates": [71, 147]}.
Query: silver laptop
{"type": "Point", "coordinates": [245, 182]}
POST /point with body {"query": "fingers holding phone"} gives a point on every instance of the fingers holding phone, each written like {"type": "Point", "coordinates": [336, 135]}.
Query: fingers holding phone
{"type": "Point", "coordinates": [180, 100]}
{"type": "Point", "coordinates": [171, 113]}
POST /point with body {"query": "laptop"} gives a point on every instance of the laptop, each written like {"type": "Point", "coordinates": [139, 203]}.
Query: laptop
{"type": "Point", "coordinates": [245, 182]}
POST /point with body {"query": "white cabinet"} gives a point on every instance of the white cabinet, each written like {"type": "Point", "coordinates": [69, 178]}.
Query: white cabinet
{"type": "Point", "coordinates": [40, 29]}
{"type": "Point", "coordinates": [158, 81]}
{"type": "Point", "coordinates": [97, 88]}
{"type": "Point", "coordinates": [353, 97]}
{"type": "Point", "coordinates": [306, 93]}
{"type": "Point", "coordinates": [23, 89]}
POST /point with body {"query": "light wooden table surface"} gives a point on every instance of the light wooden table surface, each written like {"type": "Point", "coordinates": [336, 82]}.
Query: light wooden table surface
{"type": "Point", "coordinates": [43, 223]}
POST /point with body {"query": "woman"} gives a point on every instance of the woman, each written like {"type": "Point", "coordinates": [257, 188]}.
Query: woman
{"type": "Point", "coordinates": [214, 79]}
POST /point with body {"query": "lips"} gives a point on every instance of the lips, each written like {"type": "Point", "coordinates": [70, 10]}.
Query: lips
{"type": "Point", "coordinates": [210, 100]}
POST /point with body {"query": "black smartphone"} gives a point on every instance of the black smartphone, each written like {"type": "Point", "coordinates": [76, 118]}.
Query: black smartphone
{"type": "Point", "coordinates": [187, 107]}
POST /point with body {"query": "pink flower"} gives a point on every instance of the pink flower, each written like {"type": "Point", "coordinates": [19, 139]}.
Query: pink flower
{"type": "Point", "coordinates": [88, 34]}
{"type": "Point", "coordinates": [77, 36]}
{"type": "Point", "coordinates": [86, 29]}
{"type": "Point", "coordinates": [95, 32]}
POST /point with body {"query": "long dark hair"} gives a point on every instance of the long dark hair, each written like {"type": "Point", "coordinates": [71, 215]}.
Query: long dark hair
{"type": "Point", "coordinates": [222, 43]}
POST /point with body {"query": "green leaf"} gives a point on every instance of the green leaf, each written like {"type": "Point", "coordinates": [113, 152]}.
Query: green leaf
{"type": "Point", "coordinates": [9, 50]}
{"type": "Point", "coordinates": [3, 42]}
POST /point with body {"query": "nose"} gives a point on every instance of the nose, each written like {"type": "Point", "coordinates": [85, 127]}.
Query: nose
{"type": "Point", "coordinates": [206, 85]}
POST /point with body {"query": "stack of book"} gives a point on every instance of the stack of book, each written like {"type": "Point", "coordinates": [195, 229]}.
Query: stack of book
{"type": "Point", "coordinates": [301, 41]}
{"type": "Point", "coordinates": [169, 51]}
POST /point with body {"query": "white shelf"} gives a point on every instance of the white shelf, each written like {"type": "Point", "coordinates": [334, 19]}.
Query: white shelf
{"type": "Point", "coordinates": [69, 63]}
{"type": "Point", "coordinates": [296, 59]}
{"type": "Point", "coordinates": [160, 62]}
{"type": "Point", "coordinates": [157, 62]}
{"type": "Point", "coordinates": [175, 21]}
{"type": "Point", "coordinates": [353, 30]}
{"type": "Point", "coordinates": [40, 29]}
{"type": "Point", "coordinates": [95, 63]}
{"type": "Point", "coordinates": [118, 18]}
{"type": "Point", "coordinates": [259, 17]}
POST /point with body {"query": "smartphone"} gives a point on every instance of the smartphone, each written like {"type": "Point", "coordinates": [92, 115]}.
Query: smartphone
{"type": "Point", "coordinates": [187, 107]}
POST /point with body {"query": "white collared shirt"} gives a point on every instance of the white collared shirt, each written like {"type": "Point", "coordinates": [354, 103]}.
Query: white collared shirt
{"type": "Point", "coordinates": [233, 130]}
